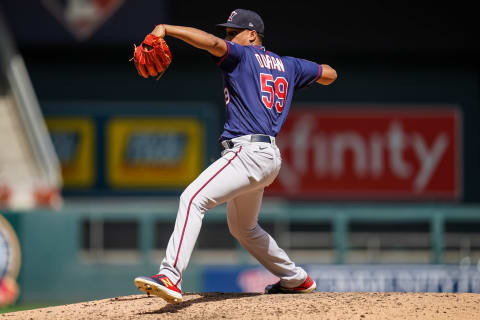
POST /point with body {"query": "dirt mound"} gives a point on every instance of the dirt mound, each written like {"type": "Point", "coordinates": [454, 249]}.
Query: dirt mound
{"type": "Point", "coordinates": [319, 305]}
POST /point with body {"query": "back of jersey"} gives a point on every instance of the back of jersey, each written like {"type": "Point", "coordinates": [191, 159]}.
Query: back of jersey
{"type": "Point", "coordinates": [259, 87]}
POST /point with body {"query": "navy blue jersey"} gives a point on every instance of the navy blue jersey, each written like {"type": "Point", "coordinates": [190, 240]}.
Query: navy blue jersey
{"type": "Point", "coordinates": [259, 87]}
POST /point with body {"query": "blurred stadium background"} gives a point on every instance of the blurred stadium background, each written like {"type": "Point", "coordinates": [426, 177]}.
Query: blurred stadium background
{"type": "Point", "coordinates": [378, 191]}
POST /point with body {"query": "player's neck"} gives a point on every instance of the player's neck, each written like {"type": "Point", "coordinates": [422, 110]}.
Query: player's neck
{"type": "Point", "coordinates": [256, 44]}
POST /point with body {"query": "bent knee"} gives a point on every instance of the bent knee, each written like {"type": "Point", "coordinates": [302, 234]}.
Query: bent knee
{"type": "Point", "coordinates": [196, 200]}
{"type": "Point", "coordinates": [186, 197]}
{"type": "Point", "coordinates": [233, 231]}
{"type": "Point", "coordinates": [245, 233]}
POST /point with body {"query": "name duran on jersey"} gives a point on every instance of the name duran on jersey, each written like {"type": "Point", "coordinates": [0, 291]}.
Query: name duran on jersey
{"type": "Point", "coordinates": [258, 88]}
{"type": "Point", "coordinates": [269, 62]}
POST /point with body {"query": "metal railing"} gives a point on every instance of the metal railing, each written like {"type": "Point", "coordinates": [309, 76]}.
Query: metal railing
{"type": "Point", "coordinates": [340, 217]}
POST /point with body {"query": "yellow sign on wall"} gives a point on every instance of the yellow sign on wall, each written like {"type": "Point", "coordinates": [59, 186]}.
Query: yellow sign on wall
{"type": "Point", "coordinates": [74, 141]}
{"type": "Point", "coordinates": [154, 152]}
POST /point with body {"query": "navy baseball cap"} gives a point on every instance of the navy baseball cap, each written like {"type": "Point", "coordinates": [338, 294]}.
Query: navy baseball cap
{"type": "Point", "coordinates": [244, 19]}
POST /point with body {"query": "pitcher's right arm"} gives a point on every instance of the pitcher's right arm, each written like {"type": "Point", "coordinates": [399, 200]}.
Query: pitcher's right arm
{"type": "Point", "coordinates": [194, 37]}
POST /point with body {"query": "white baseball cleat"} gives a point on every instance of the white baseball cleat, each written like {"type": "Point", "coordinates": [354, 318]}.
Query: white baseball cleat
{"type": "Point", "coordinates": [161, 286]}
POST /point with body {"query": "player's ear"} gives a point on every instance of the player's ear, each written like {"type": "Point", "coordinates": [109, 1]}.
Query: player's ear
{"type": "Point", "coordinates": [252, 36]}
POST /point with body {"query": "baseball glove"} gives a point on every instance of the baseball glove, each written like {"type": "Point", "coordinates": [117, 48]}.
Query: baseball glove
{"type": "Point", "coordinates": [152, 57]}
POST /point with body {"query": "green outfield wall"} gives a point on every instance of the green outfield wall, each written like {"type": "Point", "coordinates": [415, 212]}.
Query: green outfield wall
{"type": "Point", "coordinates": [64, 260]}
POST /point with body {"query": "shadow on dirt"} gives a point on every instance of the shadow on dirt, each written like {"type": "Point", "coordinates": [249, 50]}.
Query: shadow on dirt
{"type": "Point", "coordinates": [129, 298]}
{"type": "Point", "coordinates": [205, 297]}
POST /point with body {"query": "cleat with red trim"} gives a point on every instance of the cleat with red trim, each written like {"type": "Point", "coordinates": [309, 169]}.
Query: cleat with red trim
{"type": "Point", "coordinates": [159, 285]}
{"type": "Point", "coordinates": [306, 287]}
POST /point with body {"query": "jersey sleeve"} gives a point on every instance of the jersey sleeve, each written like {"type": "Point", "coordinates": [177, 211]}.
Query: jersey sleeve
{"type": "Point", "coordinates": [232, 57]}
{"type": "Point", "coordinates": [306, 72]}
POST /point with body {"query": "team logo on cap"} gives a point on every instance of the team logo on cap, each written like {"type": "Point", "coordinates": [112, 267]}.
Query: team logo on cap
{"type": "Point", "coordinates": [233, 14]}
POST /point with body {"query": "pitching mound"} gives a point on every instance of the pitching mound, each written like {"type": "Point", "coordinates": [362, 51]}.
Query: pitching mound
{"type": "Point", "coordinates": [318, 305]}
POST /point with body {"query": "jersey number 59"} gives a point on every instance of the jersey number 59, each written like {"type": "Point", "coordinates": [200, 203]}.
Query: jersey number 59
{"type": "Point", "coordinates": [273, 91]}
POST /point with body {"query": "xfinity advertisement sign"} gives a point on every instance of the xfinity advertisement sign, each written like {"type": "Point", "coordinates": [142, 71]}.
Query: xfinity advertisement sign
{"type": "Point", "coordinates": [371, 152]}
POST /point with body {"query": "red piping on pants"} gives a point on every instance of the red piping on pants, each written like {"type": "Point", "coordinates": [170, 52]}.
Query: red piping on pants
{"type": "Point", "coordinates": [190, 204]}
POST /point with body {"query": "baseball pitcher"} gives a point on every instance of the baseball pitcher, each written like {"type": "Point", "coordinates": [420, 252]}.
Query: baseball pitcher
{"type": "Point", "coordinates": [258, 87]}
